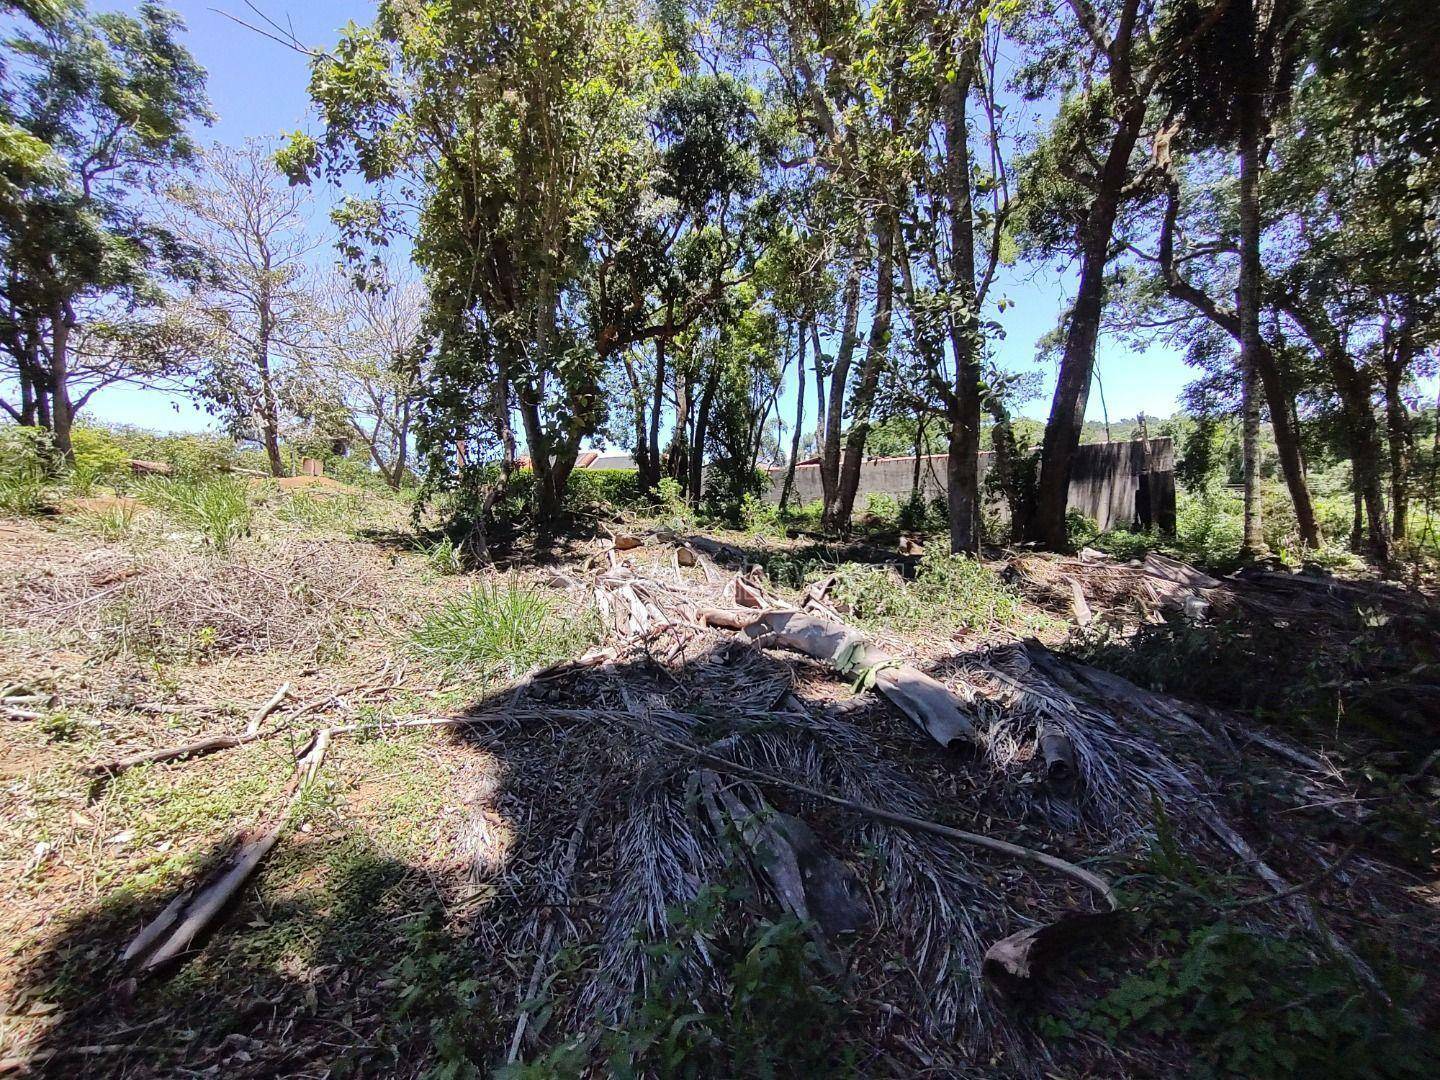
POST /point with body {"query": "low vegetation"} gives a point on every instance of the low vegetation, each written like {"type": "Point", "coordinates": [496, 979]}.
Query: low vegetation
{"type": "Point", "coordinates": [948, 593]}
{"type": "Point", "coordinates": [501, 629]}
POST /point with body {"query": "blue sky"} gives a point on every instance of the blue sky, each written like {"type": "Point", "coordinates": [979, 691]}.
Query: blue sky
{"type": "Point", "coordinates": [258, 89]}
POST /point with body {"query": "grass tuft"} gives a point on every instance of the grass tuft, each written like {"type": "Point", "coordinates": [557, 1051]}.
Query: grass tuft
{"type": "Point", "coordinates": [501, 629]}
{"type": "Point", "coordinates": [218, 509]}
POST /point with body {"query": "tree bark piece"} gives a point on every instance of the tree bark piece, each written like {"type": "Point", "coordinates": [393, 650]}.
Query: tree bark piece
{"type": "Point", "coordinates": [927, 702]}
{"type": "Point", "coordinates": [189, 914]}
{"type": "Point", "coordinates": [1058, 754]}
{"type": "Point", "coordinates": [809, 882]}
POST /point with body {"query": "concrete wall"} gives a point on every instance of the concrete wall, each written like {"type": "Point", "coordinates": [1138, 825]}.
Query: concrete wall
{"type": "Point", "coordinates": [1116, 483]}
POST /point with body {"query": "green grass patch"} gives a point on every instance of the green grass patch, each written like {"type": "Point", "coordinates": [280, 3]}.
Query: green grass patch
{"type": "Point", "coordinates": [218, 509]}
{"type": "Point", "coordinates": [501, 629]}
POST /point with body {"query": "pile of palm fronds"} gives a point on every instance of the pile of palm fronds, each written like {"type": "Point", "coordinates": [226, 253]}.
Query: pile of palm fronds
{"type": "Point", "coordinates": [615, 846]}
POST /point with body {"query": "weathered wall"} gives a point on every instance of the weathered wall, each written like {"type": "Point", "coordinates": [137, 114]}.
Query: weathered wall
{"type": "Point", "coordinates": [1115, 483]}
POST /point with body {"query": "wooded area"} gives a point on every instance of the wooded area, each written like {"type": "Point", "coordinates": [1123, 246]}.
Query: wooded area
{"type": "Point", "coordinates": [641, 223]}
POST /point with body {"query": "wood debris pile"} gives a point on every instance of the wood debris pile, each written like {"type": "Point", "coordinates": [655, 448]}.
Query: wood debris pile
{"type": "Point", "coordinates": [941, 826]}
{"type": "Point", "coordinates": [297, 596]}
{"type": "Point", "coordinates": [942, 822]}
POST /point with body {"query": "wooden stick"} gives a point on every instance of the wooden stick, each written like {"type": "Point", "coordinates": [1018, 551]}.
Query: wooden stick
{"type": "Point", "coordinates": [198, 748]}
{"type": "Point", "coordinates": [266, 709]}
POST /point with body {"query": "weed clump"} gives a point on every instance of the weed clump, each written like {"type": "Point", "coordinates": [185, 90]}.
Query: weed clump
{"type": "Point", "coordinates": [500, 629]}
{"type": "Point", "coordinates": [949, 593]}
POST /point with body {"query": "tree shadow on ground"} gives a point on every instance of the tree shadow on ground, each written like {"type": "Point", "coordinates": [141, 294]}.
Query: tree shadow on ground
{"type": "Point", "coordinates": [341, 959]}
{"type": "Point", "coordinates": [337, 962]}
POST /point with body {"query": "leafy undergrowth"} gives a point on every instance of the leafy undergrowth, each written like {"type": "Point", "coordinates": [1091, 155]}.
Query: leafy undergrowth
{"type": "Point", "coordinates": [948, 594]}
{"type": "Point", "coordinates": [1242, 1000]}
{"type": "Point", "coordinates": [776, 1012]}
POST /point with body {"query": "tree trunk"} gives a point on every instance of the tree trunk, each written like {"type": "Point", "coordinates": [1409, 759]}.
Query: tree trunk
{"type": "Point", "coordinates": [676, 460]}
{"type": "Point", "coordinates": [1247, 310]}
{"type": "Point", "coordinates": [1007, 466]}
{"type": "Point", "coordinates": [875, 352]}
{"type": "Point", "coordinates": [839, 378]}
{"type": "Point", "coordinates": [800, 343]}
{"type": "Point", "coordinates": [1399, 434]}
{"type": "Point", "coordinates": [62, 416]}
{"type": "Point", "coordinates": [702, 425]}
{"type": "Point", "coordinates": [1285, 427]}
{"type": "Point", "coordinates": [1077, 363]}
{"type": "Point", "coordinates": [642, 426]}
{"type": "Point", "coordinates": [819, 383]}
{"type": "Point", "coordinates": [650, 477]}
{"type": "Point", "coordinates": [1252, 544]}
{"type": "Point", "coordinates": [916, 471]}
{"type": "Point", "coordinates": [1283, 419]}
{"type": "Point", "coordinates": [962, 469]}
{"type": "Point", "coordinates": [1362, 432]}
{"type": "Point", "coordinates": [269, 404]}
{"type": "Point", "coordinates": [402, 445]}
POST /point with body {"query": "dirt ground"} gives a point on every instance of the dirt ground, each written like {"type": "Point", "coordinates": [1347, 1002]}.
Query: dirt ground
{"type": "Point", "coordinates": [533, 884]}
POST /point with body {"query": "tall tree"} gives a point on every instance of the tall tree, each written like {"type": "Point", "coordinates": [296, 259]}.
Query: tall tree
{"type": "Point", "coordinates": [1086, 172]}
{"type": "Point", "coordinates": [1227, 93]}
{"type": "Point", "coordinates": [374, 359]}
{"type": "Point", "coordinates": [96, 110]}
{"type": "Point", "coordinates": [254, 303]}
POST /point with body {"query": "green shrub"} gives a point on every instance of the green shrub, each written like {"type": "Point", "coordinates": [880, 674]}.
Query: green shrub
{"type": "Point", "coordinates": [24, 479]}
{"type": "Point", "coordinates": [1209, 529]}
{"type": "Point", "coordinates": [1124, 544]}
{"type": "Point", "coordinates": [99, 459]}
{"type": "Point", "coordinates": [218, 508]}
{"type": "Point", "coordinates": [599, 491]}
{"type": "Point", "coordinates": [443, 556]}
{"type": "Point", "coordinates": [501, 629]}
{"type": "Point", "coordinates": [948, 593]}
{"type": "Point", "coordinates": [761, 518]}
{"type": "Point", "coordinates": [192, 456]}
{"type": "Point", "coordinates": [882, 509]}
{"type": "Point", "coordinates": [1080, 530]}
{"type": "Point", "coordinates": [914, 515]}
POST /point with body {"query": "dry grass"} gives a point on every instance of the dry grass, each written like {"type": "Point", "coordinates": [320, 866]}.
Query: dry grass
{"type": "Point", "coordinates": [299, 597]}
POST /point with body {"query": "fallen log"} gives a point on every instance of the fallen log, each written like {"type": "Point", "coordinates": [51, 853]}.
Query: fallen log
{"type": "Point", "coordinates": [141, 467]}
{"type": "Point", "coordinates": [926, 701]}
